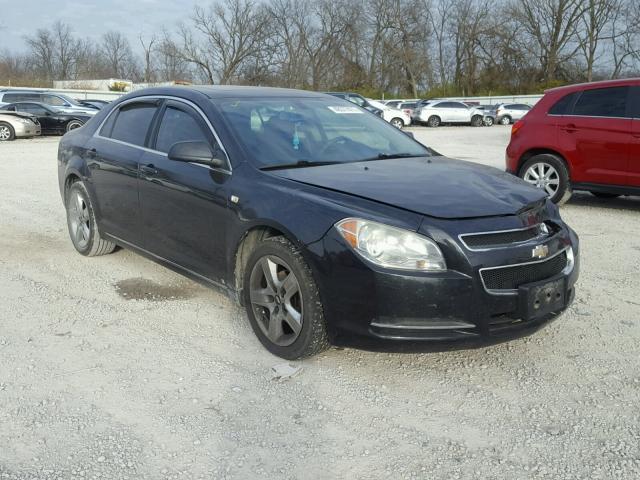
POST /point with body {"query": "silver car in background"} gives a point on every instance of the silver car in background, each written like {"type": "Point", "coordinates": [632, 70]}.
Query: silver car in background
{"type": "Point", "coordinates": [436, 112]}
{"type": "Point", "coordinates": [18, 125]}
{"type": "Point", "coordinates": [507, 113]}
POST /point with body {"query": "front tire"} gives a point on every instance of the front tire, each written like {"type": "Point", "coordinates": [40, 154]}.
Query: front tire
{"type": "Point", "coordinates": [283, 302]}
{"type": "Point", "coordinates": [6, 132]}
{"type": "Point", "coordinates": [549, 173]}
{"type": "Point", "coordinates": [476, 121]}
{"type": "Point", "coordinates": [488, 121]}
{"type": "Point", "coordinates": [81, 221]}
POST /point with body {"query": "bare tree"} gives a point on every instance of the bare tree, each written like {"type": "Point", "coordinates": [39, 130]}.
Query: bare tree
{"type": "Point", "coordinates": [148, 49]}
{"type": "Point", "coordinates": [233, 32]}
{"type": "Point", "coordinates": [117, 54]}
{"type": "Point", "coordinates": [550, 27]}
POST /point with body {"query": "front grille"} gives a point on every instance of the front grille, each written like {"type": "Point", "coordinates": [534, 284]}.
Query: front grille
{"type": "Point", "coordinates": [510, 278]}
{"type": "Point", "coordinates": [494, 239]}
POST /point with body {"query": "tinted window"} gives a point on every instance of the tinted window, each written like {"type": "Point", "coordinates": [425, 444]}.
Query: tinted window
{"type": "Point", "coordinates": [562, 106]}
{"type": "Point", "coordinates": [31, 108]}
{"type": "Point", "coordinates": [602, 102]}
{"type": "Point", "coordinates": [105, 131]}
{"type": "Point", "coordinates": [19, 97]}
{"type": "Point", "coordinates": [53, 100]}
{"type": "Point", "coordinates": [132, 123]}
{"type": "Point", "coordinates": [178, 126]}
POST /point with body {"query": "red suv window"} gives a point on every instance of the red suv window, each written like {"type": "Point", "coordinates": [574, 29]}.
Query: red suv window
{"type": "Point", "coordinates": [602, 102]}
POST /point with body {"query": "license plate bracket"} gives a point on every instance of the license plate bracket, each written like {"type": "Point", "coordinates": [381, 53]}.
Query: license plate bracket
{"type": "Point", "coordinates": [541, 298]}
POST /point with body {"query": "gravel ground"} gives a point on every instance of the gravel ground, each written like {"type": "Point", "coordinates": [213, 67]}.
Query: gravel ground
{"type": "Point", "coordinates": [116, 368]}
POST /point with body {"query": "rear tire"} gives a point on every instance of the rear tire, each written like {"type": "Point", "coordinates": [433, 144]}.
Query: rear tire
{"type": "Point", "coordinates": [81, 221]}
{"type": "Point", "coordinates": [73, 124]}
{"type": "Point", "coordinates": [555, 168]}
{"type": "Point", "coordinates": [488, 121]}
{"type": "Point", "coordinates": [605, 194]}
{"type": "Point", "coordinates": [434, 121]}
{"type": "Point", "coordinates": [6, 132]}
{"type": "Point", "coordinates": [282, 301]}
{"type": "Point", "coordinates": [506, 120]}
{"type": "Point", "coordinates": [397, 122]}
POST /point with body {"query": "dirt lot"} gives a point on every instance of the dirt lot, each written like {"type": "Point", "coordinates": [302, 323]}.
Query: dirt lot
{"type": "Point", "coordinates": [99, 379]}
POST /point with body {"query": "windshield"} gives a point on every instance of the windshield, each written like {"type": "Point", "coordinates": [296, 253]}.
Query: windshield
{"type": "Point", "coordinates": [280, 131]}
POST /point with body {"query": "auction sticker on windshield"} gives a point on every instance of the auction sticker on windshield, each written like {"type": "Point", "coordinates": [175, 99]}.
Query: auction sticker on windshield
{"type": "Point", "coordinates": [342, 109]}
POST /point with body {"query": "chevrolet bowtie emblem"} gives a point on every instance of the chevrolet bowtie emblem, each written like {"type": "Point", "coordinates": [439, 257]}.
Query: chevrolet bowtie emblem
{"type": "Point", "coordinates": [540, 251]}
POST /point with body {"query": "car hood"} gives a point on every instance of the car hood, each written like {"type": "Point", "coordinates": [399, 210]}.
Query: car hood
{"type": "Point", "coordinates": [433, 186]}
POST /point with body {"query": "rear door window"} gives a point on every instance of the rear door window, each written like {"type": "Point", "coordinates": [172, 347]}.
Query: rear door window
{"type": "Point", "coordinates": [133, 122]}
{"type": "Point", "coordinates": [602, 102]}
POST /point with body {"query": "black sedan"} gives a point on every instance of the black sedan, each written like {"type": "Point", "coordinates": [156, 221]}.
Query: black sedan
{"type": "Point", "coordinates": [329, 225]}
{"type": "Point", "coordinates": [52, 121]}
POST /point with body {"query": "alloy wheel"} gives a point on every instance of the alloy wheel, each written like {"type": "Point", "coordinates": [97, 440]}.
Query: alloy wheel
{"type": "Point", "coordinates": [396, 122]}
{"type": "Point", "coordinates": [80, 221]}
{"type": "Point", "coordinates": [544, 176]}
{"type": "Point", "coordinates": [276, 300]}
{"type": "Point", "coordinates": [73, 126]}
{"type": "Point", "coordinates": [5, 133]}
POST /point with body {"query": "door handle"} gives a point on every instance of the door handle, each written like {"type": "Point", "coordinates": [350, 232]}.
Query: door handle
{"type": "Point", "coordinates": [570, 128]}
{"type": "Point", "coordinates": [149, 169]}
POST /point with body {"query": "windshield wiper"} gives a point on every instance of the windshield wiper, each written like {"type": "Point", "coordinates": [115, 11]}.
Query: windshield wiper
{"type": "Point", "coordinates": [298, 164]}
{"type": "Point", "coordinates": [387, 156]}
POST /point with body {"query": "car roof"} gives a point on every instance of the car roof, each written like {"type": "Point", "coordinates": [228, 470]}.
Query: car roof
{"type": "Point", "coordinates": [222, 91]}
{"type": "Point", "coordinates": [604, 83]}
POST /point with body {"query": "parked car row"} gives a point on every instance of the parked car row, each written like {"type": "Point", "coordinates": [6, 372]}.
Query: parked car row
{"type": "Point", "coordinates": [30, 113]}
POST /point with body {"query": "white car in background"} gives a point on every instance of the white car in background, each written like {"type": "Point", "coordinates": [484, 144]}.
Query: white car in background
{"type": "Point", "coordinates": [395, 117]}
{"type": "Point", "coordinates": [436, 112]}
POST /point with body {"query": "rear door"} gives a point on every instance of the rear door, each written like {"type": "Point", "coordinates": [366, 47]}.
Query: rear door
{"type": "Point", "coordinates": [596, 135]}
{"type": "Point", "coordinates": [113, 155]}
{"type": "Point", "coordinates": [634, 148]}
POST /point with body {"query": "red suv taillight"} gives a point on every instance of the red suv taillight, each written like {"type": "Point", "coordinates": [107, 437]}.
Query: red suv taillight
{"type": "Point", "coordinates": [516, 126]}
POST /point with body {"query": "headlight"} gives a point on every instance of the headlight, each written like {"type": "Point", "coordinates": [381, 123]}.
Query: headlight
{"type": "Point", "coordinates": [25, 121]}
{"type": "Point", "coordinates": [391, 247]}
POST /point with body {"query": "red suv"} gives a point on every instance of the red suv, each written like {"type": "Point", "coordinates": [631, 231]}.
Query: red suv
{"type": "Point", "coordinates": [581, 137]}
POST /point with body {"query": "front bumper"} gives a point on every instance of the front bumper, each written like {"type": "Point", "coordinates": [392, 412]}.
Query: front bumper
{"type": "Point", "coordinates": [378, 309]}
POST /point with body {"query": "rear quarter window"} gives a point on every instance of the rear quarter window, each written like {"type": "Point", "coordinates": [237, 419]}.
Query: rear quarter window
{"type": "Point", "coordinates": [132, 123]}
{"type": "Point", "coordinates": [563, 106]}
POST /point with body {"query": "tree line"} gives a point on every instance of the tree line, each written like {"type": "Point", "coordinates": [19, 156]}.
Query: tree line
{"type": "Point", "coordinates": [393, 47]}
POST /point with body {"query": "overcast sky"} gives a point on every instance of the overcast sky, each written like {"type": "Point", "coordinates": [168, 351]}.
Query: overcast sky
{"type": "Point", "coordinates": [90, 18]}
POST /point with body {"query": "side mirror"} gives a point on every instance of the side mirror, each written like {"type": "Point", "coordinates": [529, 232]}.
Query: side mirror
{"type": "Point", "coordinates": [197, 152]}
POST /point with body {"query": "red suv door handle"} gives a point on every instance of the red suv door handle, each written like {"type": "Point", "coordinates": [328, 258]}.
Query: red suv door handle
{"type": "Point", "coordinates": [570, 128]}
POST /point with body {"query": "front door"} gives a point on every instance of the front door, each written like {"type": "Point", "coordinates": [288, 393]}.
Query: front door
{"type": "Point", "coordinates": [184, 205]}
